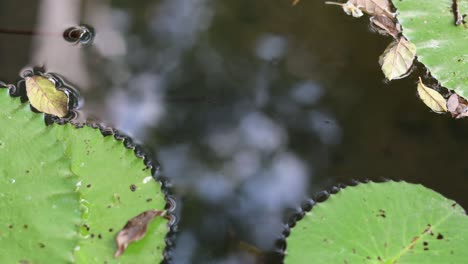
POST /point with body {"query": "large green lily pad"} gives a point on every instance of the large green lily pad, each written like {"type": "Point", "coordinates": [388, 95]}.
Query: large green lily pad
{"type": "Point", "coordinates": [381, 223]}
{"type": "Point", "coordinates": [441, 46]}
{"type": "Point", "coordinates": [65, 192]}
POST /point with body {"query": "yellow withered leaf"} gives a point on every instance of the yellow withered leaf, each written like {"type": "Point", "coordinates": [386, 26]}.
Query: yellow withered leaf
{"type": "Point", "coordinates": [45, 97]}
{"type": "Point", "coordinates": [432, 98]}
{"type": "Point", "coordinates": [397, 59]}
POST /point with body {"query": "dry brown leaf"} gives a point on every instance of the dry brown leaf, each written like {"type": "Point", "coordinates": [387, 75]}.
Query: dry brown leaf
{"type": "Point", "coordinates": [431, 98]}
{"type": "Point", "coordinates": [397, 59]}
{"type": "Point", "coordinates": [295, 2]}
{"type": "Point", "coordinates": [135, 229]}
{"type": "Point", "coordinates": [374, 7]}
{"type": "Point", "coordinates": [348, 8]}
{"type": "Point", "coordinates": [386, 26]}
{"type": "Point", "coordinates": [45, 97]}
{"type": "Point", "coordinates": [457, 106]}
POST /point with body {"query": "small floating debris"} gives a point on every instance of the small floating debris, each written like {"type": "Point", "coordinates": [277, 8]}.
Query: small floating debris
{"type": "Point", "coordinates": [83, 35]}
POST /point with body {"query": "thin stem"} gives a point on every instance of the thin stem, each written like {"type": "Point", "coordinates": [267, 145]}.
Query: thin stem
{"type": "Point", "coordinates": [334, 3]}
{"type": "Point", "coordinates": [26, 32]}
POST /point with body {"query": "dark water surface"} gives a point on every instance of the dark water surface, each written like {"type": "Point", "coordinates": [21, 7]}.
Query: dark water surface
{"type": "Point", "coordinates": [248, 105]}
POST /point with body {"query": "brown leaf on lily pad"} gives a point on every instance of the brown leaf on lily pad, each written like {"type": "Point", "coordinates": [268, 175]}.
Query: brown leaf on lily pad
{"type": "Point", "coordinates": [374, 7]}
{"type": "Point", "coordinates": [457, 106]}
{"type": "Point", "coordinates": [385, 26]}
{"type": "Point", "coordinates": [45, 97]}
{"type": "Point", "coordinates": [432, 98]}
{"type": "Point", "coordinates": [397, 59]}
{"type": "Point", "coordinates": [135, 229]}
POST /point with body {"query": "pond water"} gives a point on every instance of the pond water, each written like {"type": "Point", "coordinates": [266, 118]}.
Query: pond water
{"type": "Point", "coordinates": [249, 106]}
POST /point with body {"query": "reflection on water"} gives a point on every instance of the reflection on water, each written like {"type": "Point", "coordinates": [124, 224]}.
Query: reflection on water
{"type": "Point", "coordinates": [249, 106]}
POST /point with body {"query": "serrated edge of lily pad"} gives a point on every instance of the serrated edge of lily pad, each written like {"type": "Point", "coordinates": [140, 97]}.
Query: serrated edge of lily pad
{"type": "Point", "coordinates": [140, 152]}
{"type": "Point", "coordinates": [308, 204]}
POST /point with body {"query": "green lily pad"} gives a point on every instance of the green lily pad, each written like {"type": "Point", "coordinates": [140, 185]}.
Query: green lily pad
{"type": "Point", "coordinates": [392, 222]}
{"type": "Point", "coordinates": [65, 192]}
{"type": "Point", "coordinates": [441, 45]}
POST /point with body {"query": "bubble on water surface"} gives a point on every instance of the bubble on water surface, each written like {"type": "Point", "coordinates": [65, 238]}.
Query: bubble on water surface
{"type": "Point", "coordinates": [83, 35]}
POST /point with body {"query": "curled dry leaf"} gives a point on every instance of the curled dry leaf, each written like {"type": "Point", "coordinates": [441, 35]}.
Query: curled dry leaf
{"type": "Point", "coordinates": [386, 26]}
{"type": "Point", "coordinates": [397, 59]}
{"type": "Point", "coordinates": [431, 98]}
{"type": "Point", "coordinates": [45, 97]}
{"type": "Point", "coordinates": [135, 229]}
{"type": "Point", "coordinates": [457, 106]}
{"type": "Point", "coordinates": [348, 8]}
{"type": "Point", "coordinates": [370, 7]}
{"type": "Point", "coordinates": [374, 7]}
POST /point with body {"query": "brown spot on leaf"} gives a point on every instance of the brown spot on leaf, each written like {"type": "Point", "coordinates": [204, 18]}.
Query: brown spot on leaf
{"type": "Point", "coordinates": [381, 213]}
{"type": "Point", "coordinates": [133, 187]}
{"type": "Point", "coordinates": [413, 241]}
{"type": "Point", "coordinates": [135, 229]}
{"type": "Point", "coordinates": [427, 229]}
{"type": "Point", "coordinates": [440, 236]}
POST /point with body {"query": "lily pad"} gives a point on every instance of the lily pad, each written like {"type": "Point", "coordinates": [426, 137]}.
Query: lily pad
{"type": "Point", "coordinates": [441, 45]}
{"type": "Point", "coordinates": [392, 222]}
{"type": "Point", "coordinates": [65, 192]}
